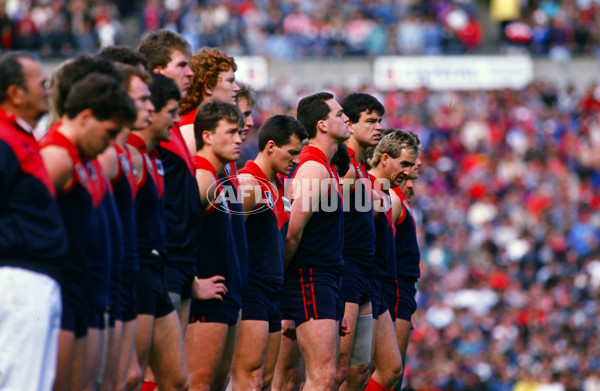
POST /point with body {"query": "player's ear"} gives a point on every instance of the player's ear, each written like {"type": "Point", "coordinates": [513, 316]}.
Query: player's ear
{"type": "Point", "coordinates": [322, 126]}
{"type": "Point", "coordinates": [270, 147]}
{"type": "Point", "coordinates": [206, 137]}
{"type": "Point", "coordinates": [84, 117]}
{"type": "Point", "coordinates": [384, 159]}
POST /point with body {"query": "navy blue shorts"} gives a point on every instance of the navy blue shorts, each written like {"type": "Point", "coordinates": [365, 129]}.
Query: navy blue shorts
{"type": "Point", "coordinates": [74, 307]}
{"type": "Point", "coordinates": [226, 311]}
{"type": "Point", "coordinates": [261, 302]}
{"type": "Point", "coordinates": [355, 284]}
{"type": "Point", "coordinates": [376, 284]}
{"type": "Point", "coordinates": [96, 320]}
{"type": "Point", "coordinates": [312, 294]}
{"type": "Point", "coordinates": [180, 277]}
{"type": "Point", "coordinates": [114, 300]}
{"type": "Point", "coordinates": [389, 295]}
{"type": "Point", "coordinates": [98, 280]}
{"type": "Point", "coordinates": [406, 305]}
{"type": "Point", "coordinates": [152, 295]}
{"type": "Point", "coordinates": [128, 295]}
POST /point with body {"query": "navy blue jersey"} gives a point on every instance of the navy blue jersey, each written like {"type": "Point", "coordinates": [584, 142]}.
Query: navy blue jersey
{"type": "Point", "coordinates": [407, 247]}
{"type": "Point", "coordinates": [359, 228]}
{"type": "Point", "coordinates": [237, 219]}
{"type": "Point", "coordinates": [384, 264]}
{"type": "Point", "coordinates": [79, 203]}
{"type": "Point", "coordinates": [217, 241]}
{"type": "Point", "coordinates": [124, 190]}
{"type": "Point", "coordinates": [108, 237]}
{"type": "Point", "coordinates": [266, 228]}
{"type": "Point", "coordinates": [32, 234]}
{"type": "Point", "coordinates": [150, 211]}
{"type": "Point", "coordinates": [182, 199]}
{"type": "Point", "coordinates": [323, 236]}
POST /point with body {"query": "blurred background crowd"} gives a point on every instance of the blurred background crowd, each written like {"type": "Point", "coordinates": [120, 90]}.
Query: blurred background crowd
{"type": "Point", "coordinates": [291, 29]}
{"type": "Point", "coordinates": [508, 203]}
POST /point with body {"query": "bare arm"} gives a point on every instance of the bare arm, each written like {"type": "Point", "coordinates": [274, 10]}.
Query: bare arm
{"type": "Point", "coordinates": [138, 162]}
{"type": "Point", "coordinates": [59, 166]}
{"type": "Point", "coordinates": [249, 190]}
{"type": "Point", "coordinates": [206, 186]}
{"type": "Point", "coordinates": [397, 209]}
{"type": "Point", "coordinates": [109, 162]}
{"type": "Point", "coordinates": [305, 201]}
{"type": "Point", "coordinates": [187, 131]}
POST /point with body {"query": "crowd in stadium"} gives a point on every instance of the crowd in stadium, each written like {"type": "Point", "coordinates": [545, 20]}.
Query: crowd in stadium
{"type": "Point", "coordinates": [297, 29]}
{"type": "Point", "coordinates": [506, 204]}
{"type": "Point", "coordinates": [135, 254]}
{"type": "Point", "coordinates": [510, 232]}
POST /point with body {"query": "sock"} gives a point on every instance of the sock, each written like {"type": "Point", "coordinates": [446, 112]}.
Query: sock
{"type": "Point", "coordinates": [376, 386]}
{"type": "Point", "coordinates": [148, 386]}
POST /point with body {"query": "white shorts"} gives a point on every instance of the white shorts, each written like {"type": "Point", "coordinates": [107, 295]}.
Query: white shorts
{"type": "Point", "coordinates": [30, 313]}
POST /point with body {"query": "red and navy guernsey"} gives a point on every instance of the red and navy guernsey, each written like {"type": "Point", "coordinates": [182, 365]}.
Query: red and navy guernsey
{"type": "Point", "coordinates": [266, 228]}
{"type": "Point", "coordinates": [150, 210]}
{"type": "Point", "coordinates": [323, 236]}
{"type": "Point", "coordinates": [359, 227]}
{"type": "Point", "coordinates": [79, 204]}
{"type": "Point", "coordinates": [32, 234]}
{"type": "Point", "coordinates": [407, 247]}
{"type": "Point", "coordinates": [384, 264]}
{"type": "Point", "coordinates": [182, 199]}
{"type": "Point", "coordinates": [217, 240]}
{"type": "Point", "coordinates": [124, 189]}
{"type": "Point", "coordinates": [238, 224]}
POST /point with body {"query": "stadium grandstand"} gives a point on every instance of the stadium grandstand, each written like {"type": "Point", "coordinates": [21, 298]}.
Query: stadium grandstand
{"type": "Point", "coordinates": [504, 98]}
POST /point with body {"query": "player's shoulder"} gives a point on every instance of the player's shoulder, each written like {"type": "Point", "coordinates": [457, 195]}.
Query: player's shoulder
{"type": "Point", "coordinates": [247, 179]}
{"type": "Point", "coordinates": [312, 169]}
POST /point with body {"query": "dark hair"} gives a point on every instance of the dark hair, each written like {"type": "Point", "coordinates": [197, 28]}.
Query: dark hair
{"type": "Point", "coordinates": [71, 72]}
{"type": "Point", "coordinates": [207, 64]}
{"type": "Point", "coordinates": [280, 128]}
{"type": "Point", "coordinates": [357, 103]}
{"type": "Point", "coordinates": [158, 46]}
{"type": "Point", "coordinates": [11, 71]}
{"type": "Point", "coordinates": [124, 55]}
{"type": "Point", "coordinates": [163, 90]}
{"type": "Point", "coordinates": [313, 109]}
{"type": "Point", "coordinates": [341, 160]}
{"type": "Point", "coordinates": [209, 115]}
{"type": "Point", "coordinates": [128, 72]}
{"type": "Point", "coordinates": [245, 92]}
{"type": "Point", "coordinates": [105, 96]}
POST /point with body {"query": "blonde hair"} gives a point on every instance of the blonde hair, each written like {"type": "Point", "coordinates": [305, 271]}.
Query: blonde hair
{"type": "Point", "coordinates": [392, 145]}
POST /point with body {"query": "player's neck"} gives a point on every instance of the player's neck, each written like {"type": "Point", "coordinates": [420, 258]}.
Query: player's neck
{"type": "Point", "coordinates": [209, 155]}
{"type": "Point", "coordinates": [359, 151]}
{"type": "Point", "coordinates": [121, 139]}
{"type": "Point", "coordinates": [68, 128]}
{"type": "Point", "coordinates": [326, 145]}
{"type": "Point", "coordinates": [148, 138]}
{"type": "Point", "coordinates": [265, 165]}
{"type": "Point", "coordinates": [377, 172]}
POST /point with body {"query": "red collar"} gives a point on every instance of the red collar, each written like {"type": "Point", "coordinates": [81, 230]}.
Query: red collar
{"type": "Point", "coordinates": [255, 169]}
{"type": "Point", "coordinates": [203, 163]}
{"type": "Point", "coordinates": [137, 142]}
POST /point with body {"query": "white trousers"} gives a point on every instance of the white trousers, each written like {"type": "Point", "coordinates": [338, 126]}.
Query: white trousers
{"type": "Point", "coordinates": [30, 313]}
